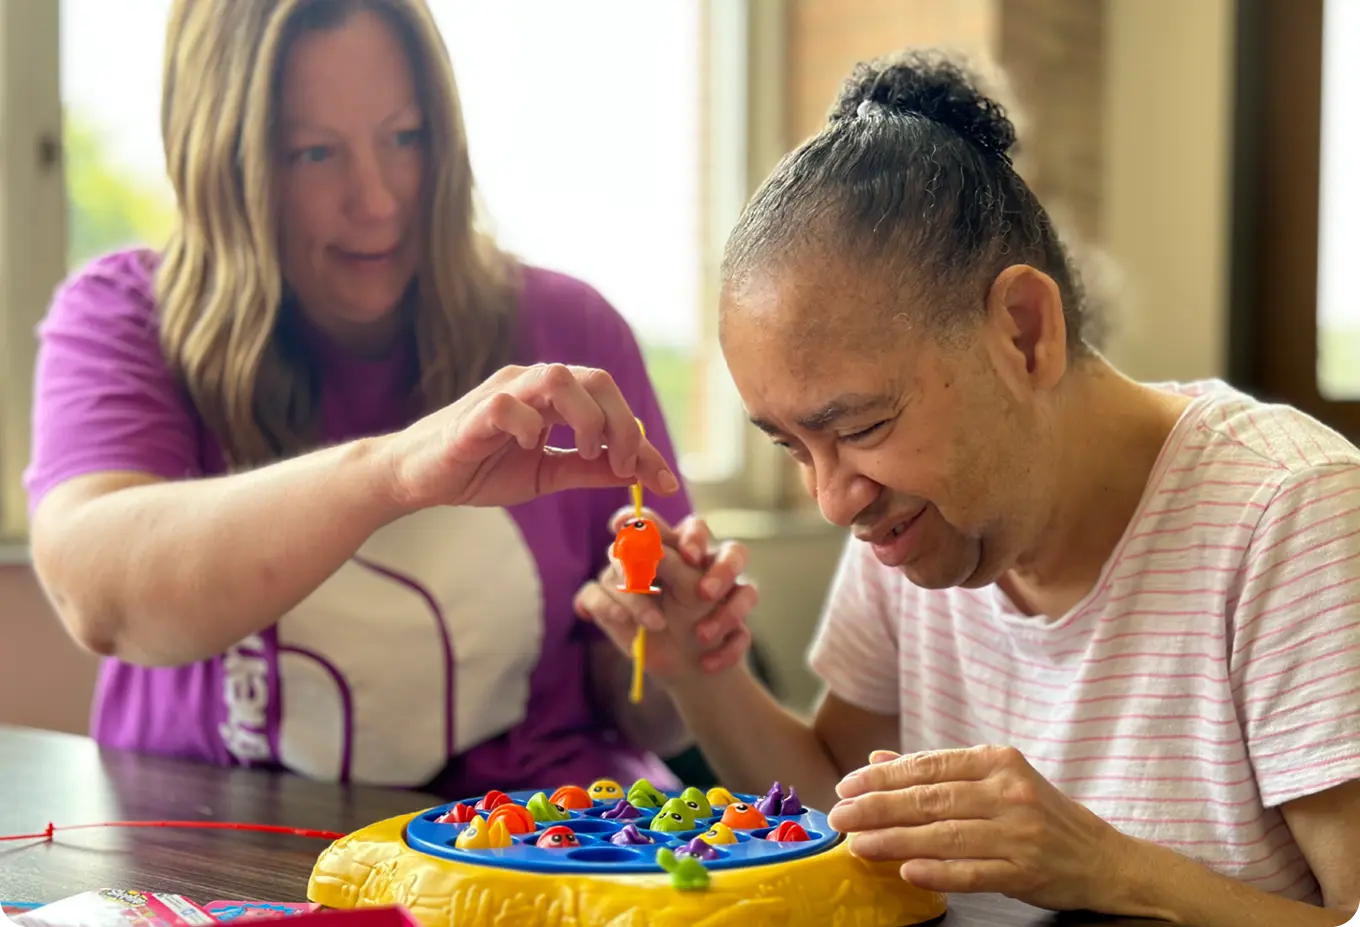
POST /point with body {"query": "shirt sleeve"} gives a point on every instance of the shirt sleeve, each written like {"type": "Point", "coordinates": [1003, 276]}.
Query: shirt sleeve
{"type": "Point", "coordinates": [104, 398]}
{"type": "Point", "coordinates": [855, 649]}
{"type": "Point", "coordinates": [1294, 661]}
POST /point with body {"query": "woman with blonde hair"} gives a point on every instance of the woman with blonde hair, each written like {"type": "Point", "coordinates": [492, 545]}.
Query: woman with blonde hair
{"type": "Point", "coordinates": [320, 479]}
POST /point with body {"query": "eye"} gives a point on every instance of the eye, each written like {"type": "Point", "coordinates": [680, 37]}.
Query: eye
{"type": "Point", "coordinates": [693, 804]}
{"type": "Point", "coordinates": [409, 138]}
{"type": "Point", "coordinates": [312, 154]}
{"type": "Point", "coordinates": [863, 433]}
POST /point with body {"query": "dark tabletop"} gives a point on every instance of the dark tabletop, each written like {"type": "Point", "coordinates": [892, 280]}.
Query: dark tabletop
{"type": "Point", "coordinates": [67, 780]}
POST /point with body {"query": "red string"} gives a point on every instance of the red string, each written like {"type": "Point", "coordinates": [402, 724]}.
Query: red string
{"type": "Point", "coordinates": [203, 825]}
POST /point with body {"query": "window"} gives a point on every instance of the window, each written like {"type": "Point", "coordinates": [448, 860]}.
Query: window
{"type": "Point", "coordinates": [612, 140]}
{"type": "Point", "coordinates": [1338, 314]}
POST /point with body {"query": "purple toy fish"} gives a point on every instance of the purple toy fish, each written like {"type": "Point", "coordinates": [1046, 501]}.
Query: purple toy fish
{"type": "Point", "coordinates": [769, 805]}
{"type": "Point", "coordinates": [698, 847]}
{"type": "Point", "coordinates": [791, 806]}
{"type": "Point", "coordinates": [623, 811]}
{"type": "Point", "coordinates": [630, 836]}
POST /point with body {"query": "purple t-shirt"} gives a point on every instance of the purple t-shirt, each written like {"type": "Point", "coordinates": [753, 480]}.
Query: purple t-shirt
{"type": "Point", "coordinates": [445, 654]}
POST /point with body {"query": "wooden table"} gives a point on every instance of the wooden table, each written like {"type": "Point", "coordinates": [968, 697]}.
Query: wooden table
{"type": "Point", "coordinates": [67, 780]}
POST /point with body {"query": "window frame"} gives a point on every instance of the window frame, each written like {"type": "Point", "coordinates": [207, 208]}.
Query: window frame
{"type": "Point", "coordinates": [32, 227]}
{"type": "Point", "coordinates": [745, 134]}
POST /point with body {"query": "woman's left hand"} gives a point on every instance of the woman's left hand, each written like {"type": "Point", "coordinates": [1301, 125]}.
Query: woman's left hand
{"type": "Point", "coordinates": [980, 820]}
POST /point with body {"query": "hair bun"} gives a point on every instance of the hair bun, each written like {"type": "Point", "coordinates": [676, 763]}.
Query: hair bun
{"type": "Point", "coordinates": [930, 85]}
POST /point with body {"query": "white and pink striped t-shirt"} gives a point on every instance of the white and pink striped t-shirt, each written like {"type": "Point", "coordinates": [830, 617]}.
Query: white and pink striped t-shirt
{"type": "Point", "coordinates": [1212, 673]}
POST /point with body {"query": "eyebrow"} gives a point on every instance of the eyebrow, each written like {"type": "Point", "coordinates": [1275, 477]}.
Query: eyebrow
{"type": "Point", "coordinates": [842, 407]}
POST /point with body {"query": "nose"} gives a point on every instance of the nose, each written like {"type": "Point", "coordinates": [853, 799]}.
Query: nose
{"type": "Point", "coordinates": [841, 493]}
{"type": "Point", "coordinates": [371, 195]}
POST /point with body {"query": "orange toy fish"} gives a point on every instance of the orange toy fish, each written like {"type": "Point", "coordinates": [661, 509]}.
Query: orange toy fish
{"type": "Point", "coordinates": [637, 548]}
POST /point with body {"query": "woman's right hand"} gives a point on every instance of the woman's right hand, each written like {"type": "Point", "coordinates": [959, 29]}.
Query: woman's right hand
{"type": "Point", "coordinates": [489, 448]}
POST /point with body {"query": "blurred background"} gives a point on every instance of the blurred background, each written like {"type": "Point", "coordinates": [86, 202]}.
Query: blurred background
{"type": "Point", "coordinates": [1196, 150]}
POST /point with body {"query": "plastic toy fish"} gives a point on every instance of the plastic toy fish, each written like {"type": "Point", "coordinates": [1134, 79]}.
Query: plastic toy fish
{"type": "Point", "coordinates": [571, 797]}
{"type": "Point", "coordinates": [545, 811]}
{"type": "Point", "coordinates": [788, 832]}
{"type": "Point", "coordinates": [719, 833]}
{"type": "Point", "coordinates": [638, 549]}
{"type": "Point", "coordinates": [699, 848]}
{"type": "Point", "coordinates": [458, 814]}
{"type": "Point", "coordinates": [630, 836]}
{"type": "Point", "coordinates": [742, 816]}
{"type": "Point", "coordinates": [491, 800]}
{"type": "Point", "coordinates": [769, 805]}
{"type": "Point", "coordinates": [605, 790]}
{"type": "Point", "coordinates": [719, 797]}
{"type": "Point", "coordinates": [645, 795]}
{"type": "Point", "coordinates": [516, 818]}
{"type": "Point", "coordinates": [559, 837]}
{"type": "Point", "coordinates": [696, 800]}
{"type": "Point", "coordinates": [483, 835]}
{"type": "Point", "coordinates": [675, 816]}
{"type": "Point", "coordinates": [687, 872]}
{"type": "Point", "coordinates": [623, 811]}
{"type": "Point", "coordinates": [779, 803]}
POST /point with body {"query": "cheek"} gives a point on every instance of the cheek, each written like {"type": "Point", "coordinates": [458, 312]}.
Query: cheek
{"type": "Point", "coordinates": [307, 209]}
{"type": "Point", "coordinates": [405, 175]}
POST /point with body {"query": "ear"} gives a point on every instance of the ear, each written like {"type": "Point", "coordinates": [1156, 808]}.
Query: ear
{"type": "Point", "coordinates": [1025, 312]}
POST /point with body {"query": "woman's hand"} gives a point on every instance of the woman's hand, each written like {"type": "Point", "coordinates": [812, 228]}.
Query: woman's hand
{"type": "Point", "coordinates": [489, 448]}
{"type": "Point", "coordinates": [698, 622]}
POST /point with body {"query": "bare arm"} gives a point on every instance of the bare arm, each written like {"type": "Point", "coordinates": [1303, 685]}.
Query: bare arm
{"type": "Point", "coordinates": [654, 723]}
{"type": "Point", "coordinates": [751, 741]}
{"type": "Point", "coordinates": [163, 573]}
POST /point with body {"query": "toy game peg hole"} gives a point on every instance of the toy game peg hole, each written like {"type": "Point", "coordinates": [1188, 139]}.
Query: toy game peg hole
{"type": "Point", "coordinates": [604, 855]}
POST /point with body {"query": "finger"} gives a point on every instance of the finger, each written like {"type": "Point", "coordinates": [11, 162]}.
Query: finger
{"type": "Point", "coordinates": [618, 614]}
{"type": "Point", "coordinates": [724, 619]}
{"type": "Point", "coordinates": [680, 580]}
{"type": "Point", "coordinates": [962, 876]}
{"type": "Point", "coordinates": [723, 572]}
{"type": "Point", "coordinates": [693, 540]}
{"type": "Point", "coordinates": [560, 470]}
{"type": "Point", "coordinates": [498, 415]}
{"type": "Point", "coordinates": [975, 839]}
{"type": "Point", "coordinates": [729, 653]}
{"type": "Point", "coordinates": [915, 806]}
{"type": "Point", "coordinates": [559, 387]}
{"type": "Point", "coordinates": [622, 435]}
{"type": "Point", "coordinates": [972, 763]}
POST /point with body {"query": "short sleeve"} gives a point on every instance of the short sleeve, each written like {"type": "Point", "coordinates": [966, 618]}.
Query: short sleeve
{"type": "Point", "coordinates": [104, 398]}
{"type": "Point", "coordinates": [855, 650]}
{"type": "Point", "coordinates": [1295, 656]}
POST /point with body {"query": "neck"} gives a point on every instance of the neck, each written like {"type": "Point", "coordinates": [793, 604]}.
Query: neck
{"type": "Point", "coordinates": [1111, 431]}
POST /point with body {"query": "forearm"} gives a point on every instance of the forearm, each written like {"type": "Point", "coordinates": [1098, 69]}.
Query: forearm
{"type": "Point", "coordinates": [652, 724]}
{"type": "Point", "coordinates": [168, 573]}
{"type": "Point", "coordinates": [1160, 883]}
{"type": "Point", "coordinates": [751, 741]}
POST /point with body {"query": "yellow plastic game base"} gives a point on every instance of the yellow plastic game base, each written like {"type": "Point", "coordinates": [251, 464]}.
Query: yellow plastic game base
{"type": "Point", "coordinates": [373, 866]}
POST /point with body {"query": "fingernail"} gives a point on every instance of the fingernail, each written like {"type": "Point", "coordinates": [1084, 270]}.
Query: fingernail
{"type": "Point", "coordinates": [882, 756]}
{"type": "Point", "coordinates": [630, 466]}
{"type": "Point", "coordinates": [709, 586]}
{"type": "Point", "coordinates": [693, 553]}
{"type": "Point", "coordinates": [848, 786]}
{"type": "Point", "coordinates": [668, 481]}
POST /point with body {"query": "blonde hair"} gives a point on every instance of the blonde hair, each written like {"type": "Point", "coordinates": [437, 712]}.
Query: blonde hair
{"type": "Point", "coordinates": [219, 281]}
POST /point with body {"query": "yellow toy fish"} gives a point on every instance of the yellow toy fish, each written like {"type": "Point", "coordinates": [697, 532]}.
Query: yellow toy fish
{"type": "Point", "coordinates": [719, 797]}
{"type": "Point", "coordinates": [718, 833]}
{"type": "Point", "coordinates": [605, 790]}
{"type": "Point", "coordinates": [477, 836]}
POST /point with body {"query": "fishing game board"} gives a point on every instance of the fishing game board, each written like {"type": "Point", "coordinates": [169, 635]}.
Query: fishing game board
{"type": "Point", "coordinates": [600, 855]}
